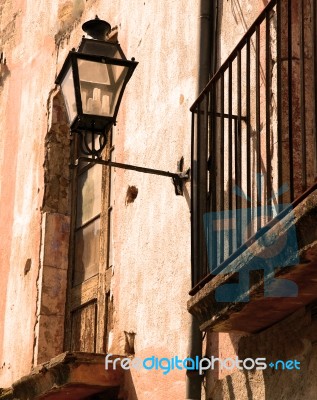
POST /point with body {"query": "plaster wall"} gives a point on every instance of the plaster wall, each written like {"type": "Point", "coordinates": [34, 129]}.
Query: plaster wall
{"type": "Point", "coordinates": [151, 236]}
{"type": "Point", "coordinates": [27, 44]}
{"type": "Point", "coordinates": [235, 18]}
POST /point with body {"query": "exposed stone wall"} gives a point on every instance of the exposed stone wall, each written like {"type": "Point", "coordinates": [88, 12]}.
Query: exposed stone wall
{"type": "Point", "coordinates": [52, 280]}
{"type": "Point", "coordinates": [51, 286]}
{"type": "Point", "coordinates": [57, 159]}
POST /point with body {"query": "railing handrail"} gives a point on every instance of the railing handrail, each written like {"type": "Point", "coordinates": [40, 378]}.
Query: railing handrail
{"type": "Point", "coordinates": [233, 54]}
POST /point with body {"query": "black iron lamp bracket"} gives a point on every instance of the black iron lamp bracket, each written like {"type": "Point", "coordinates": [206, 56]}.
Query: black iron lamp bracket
{"type": "Point", "coordinates": [92, 122]}
{"type": "Point", "coordinates": [178, 178]}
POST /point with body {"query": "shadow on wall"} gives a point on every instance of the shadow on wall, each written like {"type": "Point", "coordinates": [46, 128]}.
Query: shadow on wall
{"type": "Point", "coordinates": [218, 386]}
{"type": "Point", "coordinates": [237, 11]}
{"type": "Point", "coordinates": [129, 386]}
{"type": "Point", "coordinates": [4, 70]}
{"type": "Point", "coordinates": [294, 338]}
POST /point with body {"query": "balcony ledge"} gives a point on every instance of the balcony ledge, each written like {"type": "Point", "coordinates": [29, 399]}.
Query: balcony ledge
{"type": "Point", "coordinates": [261, 312]}
{"type": "Point", "coordinates": [71, 376]}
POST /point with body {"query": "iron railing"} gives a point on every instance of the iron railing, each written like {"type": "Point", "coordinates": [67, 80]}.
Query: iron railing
{"type": "Point", "coordinates": [254, 133]}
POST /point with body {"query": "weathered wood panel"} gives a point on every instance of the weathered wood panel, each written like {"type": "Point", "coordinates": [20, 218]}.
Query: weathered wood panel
{"type": "Point", "coordinates": [84, 328]}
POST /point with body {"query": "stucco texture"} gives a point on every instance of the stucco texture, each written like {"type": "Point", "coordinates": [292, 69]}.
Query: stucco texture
{"type": "Point", "coordinates": [151, 235]}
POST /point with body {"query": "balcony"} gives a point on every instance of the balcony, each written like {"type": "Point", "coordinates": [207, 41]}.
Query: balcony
{"type": "Point", "coordinates": [72, 376]}
{"type": "Point", "coordinates": [254, 173]}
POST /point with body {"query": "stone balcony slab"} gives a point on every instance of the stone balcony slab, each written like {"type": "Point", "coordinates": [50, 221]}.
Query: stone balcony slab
{"type": "Point", "coordinates": [71, 376]}
{"type": "Point", "coordinates": [264, 306]}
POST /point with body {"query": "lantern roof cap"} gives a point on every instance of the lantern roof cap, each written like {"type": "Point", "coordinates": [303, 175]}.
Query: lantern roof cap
{"type": "Point", "coordinates": [97, 28]}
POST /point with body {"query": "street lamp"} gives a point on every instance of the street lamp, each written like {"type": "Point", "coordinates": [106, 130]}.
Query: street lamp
{"type": "Point", "coordinates": [93, 80]}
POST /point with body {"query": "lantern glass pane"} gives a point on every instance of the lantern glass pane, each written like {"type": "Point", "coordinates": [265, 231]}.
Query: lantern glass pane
{"type": "Point", "coordinates": [105, 49]}
{"type": "Point", "coordinates": [100, 86]}
{"type": "Point", "coordinates": [69, 95]}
